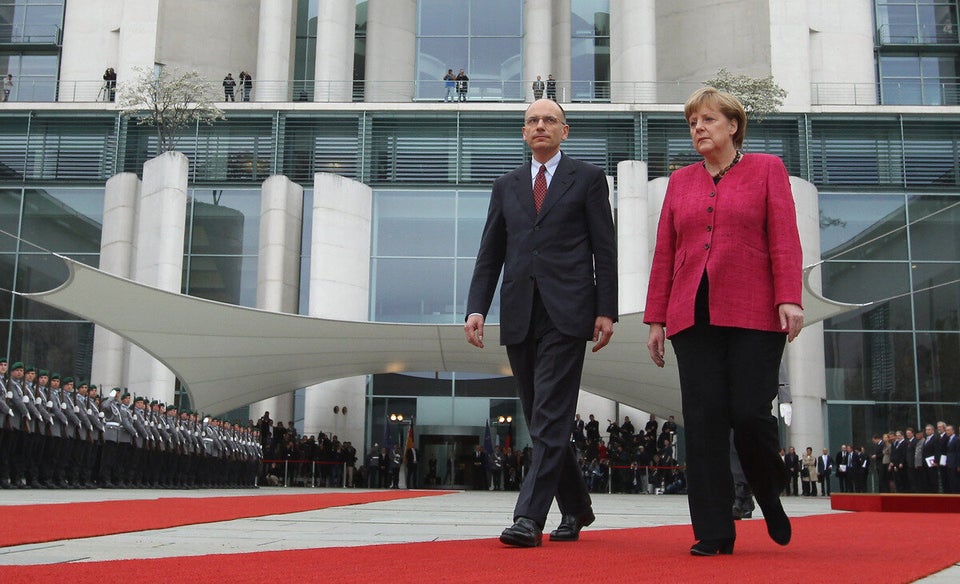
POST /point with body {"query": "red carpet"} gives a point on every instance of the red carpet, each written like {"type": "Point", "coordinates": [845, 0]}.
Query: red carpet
{"type": "Point", "coordinates": [855, 547]}
{"type": "Point", "coordinates": [900, 503]}
{"type": "Point", "coordinates": [39, 523]}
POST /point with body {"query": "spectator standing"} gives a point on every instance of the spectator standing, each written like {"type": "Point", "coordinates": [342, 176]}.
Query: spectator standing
{"type": "Point", "coordinates": [462, 85]}
{"type": "Point", "coordinates": [824, 468]}
{"type": "Point", "coordinates": [809, 473]}
{"type": "Point", "coordinates": [792, 463]}
{"type": "Point", "coordinates": [551, 87]}
{"type": "Point", "coordinates": [7, 86]}
{"type": "Point", "coordinates": [246, 84]}
{"type": "Point", "coordinates": [449, 83]}
{"type": "Point", "coordinates": [538, 87]}
{"type": "Point", "coordinates": [110, 83]}
{"type": "Point", "coordinates": [229, 85]}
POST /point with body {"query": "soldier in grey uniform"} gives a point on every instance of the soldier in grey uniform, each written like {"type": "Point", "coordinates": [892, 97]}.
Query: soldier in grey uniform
{"type": "Point", "coordinates": [7, 436]}
{"type": "Point", "coordinates": [142, 444]}
{"type": "Point", "coordinates": [73, 433]}
{"type": "Point", "coordinates": [55, 454]}
{"type": "Point", "coordinates": [91, 464]}
{"type": "Point", "coordinates": [38, 437]}
{"type": "Point", "coordinates": [110, 455]}
{"type": "Point", "coordinates": [88, 433]}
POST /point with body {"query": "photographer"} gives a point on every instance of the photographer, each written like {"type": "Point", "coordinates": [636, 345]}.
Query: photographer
{"type": "Point", "coordinates": [110, 83]}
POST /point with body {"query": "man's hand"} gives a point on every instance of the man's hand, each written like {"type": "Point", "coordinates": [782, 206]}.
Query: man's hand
{"type": "Point", "coordinates": [655, 343]}
{"type": "Point", "coordinates": [473, 329]}
{"type": "Point", "coordinates": [791, 320]}
{"type": "Point", "coordinates": [602, 331]}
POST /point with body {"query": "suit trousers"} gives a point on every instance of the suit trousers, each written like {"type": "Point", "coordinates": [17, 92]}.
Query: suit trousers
{"type": "Point", "coordinates": [547, 366]}
{"type": "Point", "coordinates": [729, 378]}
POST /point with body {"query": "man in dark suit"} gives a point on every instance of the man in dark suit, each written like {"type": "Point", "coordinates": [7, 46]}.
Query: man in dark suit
{"type": "Point", "coordinates": [824, 468]}
{"type": "Point", "coordinates": [792, 463]}
{"type": "Point", "coordinates": [550, 230]}
{"type": "Point", "coordinates": [952, 468]}
{"type": "Point", "coordinates": [942, 457]}
{"type": "Point", "coordinates": [898, 462]}
{"type": "Point", "coordinates": [931, 460]}
{"type": "Point", "coordinates": [912, 442]}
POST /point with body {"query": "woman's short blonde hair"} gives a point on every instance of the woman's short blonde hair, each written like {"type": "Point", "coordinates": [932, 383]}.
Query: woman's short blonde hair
{"type": "Point", "coordinates": [725, 103]}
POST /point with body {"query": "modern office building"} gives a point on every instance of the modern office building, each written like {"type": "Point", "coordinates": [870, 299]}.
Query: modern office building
{"type": "Point", "coordinates": [354, 89]}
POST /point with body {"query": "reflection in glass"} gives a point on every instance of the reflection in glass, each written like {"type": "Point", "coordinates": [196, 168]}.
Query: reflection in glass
{"type": "Point", "coordinates": [414, 290]}
{"type": "Point", "coordinates": [937, 299]}
{"type": "Point", "coordinates": [860, 282]}
{"type": "Point", "coordinates": [225, 221]}
{"type": "Point", "coordinates": [63, 347]}
{"type": "Point", "coordinates": [854, 227]}
{"type": "Point", "coordinates": [869, 366]}
{"type": "Point", "coordinates": [63, 220]}
{"type": "Point", "coordinates": [855, 424]}
{"type": "Point", "coordinates": [938, 366]}
{"type": "Point", "coordinates": [933, 227]}
{"type": "Point", "coordinates": [415, 224]}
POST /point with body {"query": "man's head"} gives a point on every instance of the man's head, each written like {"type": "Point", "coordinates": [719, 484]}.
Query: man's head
{"type": "Point", "coordinates": [941, 427]}
{"type": "Point", "coordinates": [950, 430]}
{"type": "Point", "coordinates": [825, 452]}
{"type": "Point", "coordinates": [928, 429]}
{"type": "Point", "coordinates": [792, 450]}
{"type": "Point", "coordinates": [16, 370]}
{"type": "Point", "coordinates": [909, 433]}
{"type": "Point", "coordinates": [544, 128]}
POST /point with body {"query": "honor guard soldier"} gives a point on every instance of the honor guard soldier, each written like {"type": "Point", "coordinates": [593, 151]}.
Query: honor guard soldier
{"type": "Point", "coordinates": [59, 451]}
{"type": "Point", "coordinates": [37, 440]}
{"type": "Point", "coordinates": [74, 431]}
{"type": "Point", "coordinates": [7, 435]}
{"type": "Point", "coordinates": [90, 434]}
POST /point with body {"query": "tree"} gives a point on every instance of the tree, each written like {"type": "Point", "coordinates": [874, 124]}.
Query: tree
{"type": "Point", "coordinates": [169, 100]}
{"type": "Point", "coordinates": [758, 96]}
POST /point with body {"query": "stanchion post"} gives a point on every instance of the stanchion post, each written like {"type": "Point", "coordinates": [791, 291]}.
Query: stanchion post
{"type": "Point", "coordinates": [286, 465]}
{"type": "Point", "coordinates": [313, 473]}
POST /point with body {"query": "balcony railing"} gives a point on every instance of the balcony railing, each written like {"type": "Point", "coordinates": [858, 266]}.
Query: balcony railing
{"type": "Point", "coordinates": [40, 34]}
{"type": "Point", "coordinates": [889, 92]}
{"type": "Point", "coordinates": [918, 34]}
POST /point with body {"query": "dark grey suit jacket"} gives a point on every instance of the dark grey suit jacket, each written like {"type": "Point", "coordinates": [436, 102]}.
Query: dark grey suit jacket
{"type": "Point", "coordinates": [568, 250]}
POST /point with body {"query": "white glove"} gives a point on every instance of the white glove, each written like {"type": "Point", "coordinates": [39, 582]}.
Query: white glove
{"type": "Point", "coordinates": [26, 399]}
{"type": "Point", "coordinates": [76, 409]}
{"type": "Point", "coordinates": [49, 404]}
{"type": "Point", "coordinates": [786, 412]}
{"type": "Point", "coordinates": [37, 401]}
{"type": "Point", "coordinates": [63, 406]}
{"type": "Point", "coordinates": [9, 395]}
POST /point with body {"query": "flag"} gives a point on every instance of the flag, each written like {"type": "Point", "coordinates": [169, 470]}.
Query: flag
{"type": "Point", "coordinates": [387, 434]}
{"type": "Point", "coordinates": [409, 443]}
{"type": "Point", "coordinates": [488, 443]}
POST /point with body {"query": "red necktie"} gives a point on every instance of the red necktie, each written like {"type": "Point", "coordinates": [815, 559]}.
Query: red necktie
{"type": "Point", "coordinates": [540, 187]}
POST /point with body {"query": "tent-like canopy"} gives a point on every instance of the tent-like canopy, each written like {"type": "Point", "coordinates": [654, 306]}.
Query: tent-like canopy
{"type": "Point", "coordinates": [228, 356]}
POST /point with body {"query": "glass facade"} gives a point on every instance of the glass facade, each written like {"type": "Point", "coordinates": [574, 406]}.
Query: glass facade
{"type": "Point", "coordinates": [918, 51]}
{"type": "Point", "coordinates": [305, 50]}
{"type": "Point", "coordinates": [30, 37]}
{"type": "Point", "coordinates": [482, 37]}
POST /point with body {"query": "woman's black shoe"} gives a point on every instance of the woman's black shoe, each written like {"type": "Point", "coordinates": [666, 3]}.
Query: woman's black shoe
{"type": "Point", "coordinates": [712, 547]}
{"type": "Point", "coordinates": [778, 524]}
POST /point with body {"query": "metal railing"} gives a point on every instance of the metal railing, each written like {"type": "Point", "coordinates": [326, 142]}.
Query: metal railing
{"type": "Point", "coordinates": [888, 92]}
{"type": "Point", "coordinates": [919, 33]}
{"type": "Point", "coordinates": [30, 34]}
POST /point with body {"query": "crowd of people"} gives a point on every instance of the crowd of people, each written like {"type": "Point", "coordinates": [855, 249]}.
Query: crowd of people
{"type": "Point", "coordinates": [291, 458]}
{"type": "Point", "coordinates": [58, 432]}
{"type": "Point", "coordinates": [230, 85]}
{"type": "Point", "coordinates": [630, 461]}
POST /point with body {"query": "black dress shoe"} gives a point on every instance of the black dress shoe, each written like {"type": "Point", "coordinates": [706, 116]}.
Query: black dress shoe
{"type": "Point", "coordinates": [712, 547]}
{"type": "Point", "coordinates": [570, 526]}
{"type": "Point", "coordinates": [524, 533]}
{"type": "Point", "coordinates": [778, 524]}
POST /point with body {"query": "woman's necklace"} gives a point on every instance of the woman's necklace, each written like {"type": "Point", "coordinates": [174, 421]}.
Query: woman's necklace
{"type": "Point", "coordinates": [726, 168]}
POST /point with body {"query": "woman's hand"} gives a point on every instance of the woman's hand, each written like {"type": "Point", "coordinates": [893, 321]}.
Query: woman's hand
{"type": "Point", "coordinates": [791, 319]}
{"type": "Point", "coordinates": [655, 343]}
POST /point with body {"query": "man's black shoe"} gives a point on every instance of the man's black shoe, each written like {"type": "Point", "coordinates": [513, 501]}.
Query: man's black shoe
{"type": "Point", "coordinates": [523, 533]}
{"type": "Point", "coordinates": [570, 526]}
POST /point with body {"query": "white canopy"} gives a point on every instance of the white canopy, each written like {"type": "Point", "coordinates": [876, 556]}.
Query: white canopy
{"type": "Point", "coordinates": [228, 356]}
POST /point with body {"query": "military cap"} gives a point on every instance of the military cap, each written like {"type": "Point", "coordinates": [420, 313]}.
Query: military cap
{"type": "Point", "coordinates": [125, 395]}
{"type": "Point", "coordinates": [139, 398]}
{"type": "Point", "coordinates": [154, 403]}
{"type": "Point", "coordinates": [67, 380]}
{"type": "Point", "coordinates": [29, 368]}
{"type": "Point", "coordinates": [83, 382]}
{"type": "Point", "coordinates": [17, 365]}
{"type": "Point", "coordinates": [3, 359]}
{"type": "Point", "coordinates": [54, 376]}
{"type": "Point", "coordinates": [43, 373]}
{"type": "Point", "coordinates": [93, 386]}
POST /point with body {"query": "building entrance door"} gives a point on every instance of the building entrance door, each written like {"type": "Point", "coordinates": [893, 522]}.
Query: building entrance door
{"type": "Point", "coordinates": [452, 453]}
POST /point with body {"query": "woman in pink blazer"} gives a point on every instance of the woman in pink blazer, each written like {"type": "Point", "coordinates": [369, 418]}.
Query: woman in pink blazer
{"type": "Point", "coordinates": [725, 286]}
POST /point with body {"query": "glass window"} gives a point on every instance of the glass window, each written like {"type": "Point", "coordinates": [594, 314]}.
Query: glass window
{"type": "Point", "coordinates": [857, 423]}
{"type": "Point", "coordinates": [865, 281]}
{"type": "Point", "coordinates": [933, 227]}
{"type": "Point", "coordinates": [863, 227]}
{"type": "Point", "coordinates": [63, 347]}
{"type": "Point", "coordinates": [938, 366]}
{"type": "Point", "coordinates": [875, 366]}
{"type": "Point", "coordinates": [229, 279]}
{"type": "Point", "coordinates": [919, 79]}
{"type": "Point", "coordinates": [63, 220]}
{"type": "Point", "coordinates": [937, 296]}
{"type": "Point", "coordinates": [414, 290]}
{"type": "Point", "coordinates": [34, 75]}
{"type": "Point", "coordinates": [225, 222]}
{"type": "Point", "coordinates": [590, 47]}
{"type": "Point", "coordinates": [415, 224]}
{"type": "Point", "coordinates": [483, 37]}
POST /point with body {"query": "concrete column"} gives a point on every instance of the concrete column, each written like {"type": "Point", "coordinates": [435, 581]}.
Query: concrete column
{"type": "Point", "coordinates": [804, 356]}
{"type": "Point", "coordinates": [116, 256]}
{"type": "Point", "coordinates": [340, 289]}
{"type": "Point", "coordinates": [278, 268]}
{"type": "Point", "coordinates": [633, 51]}
{"type": "Point", "coordinates": [561, 48]}
{"type": "Point", "coordinates": [138, 38]}
{"type": "Point", "coordinates": [537, 42]}
{"type": "Point", "coordinates": [391, 50]}
{"type": "Point", "coordinates": [333, 74]}
{"type": "Point", "coordinates": [634, 240]}
{"type": "Point", "coordinates": [274, 50]}
{"type": "Point", "coordinates": [790, 52]}
{"type": "Point", "coordinates": [158, 259]}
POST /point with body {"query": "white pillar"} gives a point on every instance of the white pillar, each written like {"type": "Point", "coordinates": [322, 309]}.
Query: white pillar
{"type": "Point", "coordinates": [158, 259]}
{"type": "Point", "coordinates": [278, 268]}
{"type": "Point", "coordinates": [391, 50]}
{"type": "Point", "coordinates": [333, 73]}
{"type": "Point", "coordinates": [805, 366]}
{"type": "Point", "coordinates": [633, 239]}
{"type": "Point", "coordinates": [138, 38]}
{"type": "Point", "coordinates": [633, 51]}
{"type": "Point", "coordinates": [274, 50]}
{"type": "Point", "coordinates": [116, 256]}
{"type": "Point", "coordinates": [561, 48]}
{"type": "Point", "coordinates": [537, 43]}
{"type": "Point", "coordinates": [339, 288]}
{"type": "Point", "coordinates": [790, 52]}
